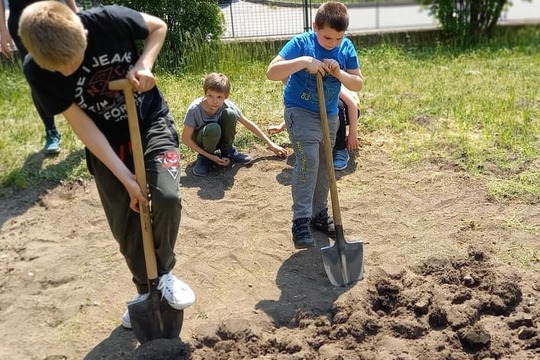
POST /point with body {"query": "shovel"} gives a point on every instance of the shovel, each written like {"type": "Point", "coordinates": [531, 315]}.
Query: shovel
{"type": "Point", "coordinates": [344, 260]}
{"type": "Point", "coordinates": [152, 318]}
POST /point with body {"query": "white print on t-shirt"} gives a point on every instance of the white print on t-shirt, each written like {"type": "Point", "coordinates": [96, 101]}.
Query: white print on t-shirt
{"type": "Point", "coordinates": [104, 60]}
{"type": "Point", "coordinates": [92, 91]}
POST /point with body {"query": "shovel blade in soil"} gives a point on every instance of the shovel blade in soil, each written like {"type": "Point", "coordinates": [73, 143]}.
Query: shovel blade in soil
{"type": "Point", "coordinates": [154, 318]}
{"type": "Point", "coordinates": [344, 260]}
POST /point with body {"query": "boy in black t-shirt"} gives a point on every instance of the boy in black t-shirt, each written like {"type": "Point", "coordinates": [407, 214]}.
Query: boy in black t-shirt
{"type": "Point", "coordinates": [72, 59]}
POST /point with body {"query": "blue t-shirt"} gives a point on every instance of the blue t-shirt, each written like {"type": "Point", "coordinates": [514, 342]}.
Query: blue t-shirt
{"type": "Point", "coordinates": [301, 87]}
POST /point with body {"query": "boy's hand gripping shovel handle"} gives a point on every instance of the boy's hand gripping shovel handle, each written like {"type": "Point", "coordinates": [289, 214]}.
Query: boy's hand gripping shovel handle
{"type": "Point", "coordinates": [140, 174]}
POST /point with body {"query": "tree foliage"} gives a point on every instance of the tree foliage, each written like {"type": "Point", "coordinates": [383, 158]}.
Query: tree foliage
{"type": "Point", "coordinates": [190, 24]}
{"type": "Point", "coordinates": [467, 21]}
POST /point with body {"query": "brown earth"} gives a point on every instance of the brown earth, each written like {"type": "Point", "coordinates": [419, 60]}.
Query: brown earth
{"type": "Point", "coordinates": [449, 272]}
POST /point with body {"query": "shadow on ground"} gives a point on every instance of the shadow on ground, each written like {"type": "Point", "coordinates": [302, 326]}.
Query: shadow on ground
{"type": "Point", "coordinates": [122, 344]}
{"type": "Point", "coordinates": [218, 180]}
{"type": "Point", "coordinates": [27, 194]}
{"type": "Point", "coordinates": [305, 288]}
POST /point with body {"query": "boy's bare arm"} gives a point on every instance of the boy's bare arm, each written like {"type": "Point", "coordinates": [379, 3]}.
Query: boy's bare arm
{"type": "Point", "coordinates": [352, 79]}
{"type": "Point", "coordinates": [352, 117]}
{"type": "Point", "coordinates": [96, 142]}
{"type": "Point", "coordinates": [276, 129]}
{"type": "Point", "coordinates": [280, 69]}
{"type": "Point", "coordinates": [141, 76]}
{"type": "Point", "coordinates": [347, 98]}
{"type": "Point", "coordinates": [72, 5]}
{"type": "Point", "coordinates": [352, 137]}
{"type": "Point", "coordinates": [5, 37]}
{"type": "Point", "coordinates": [187, 139]}
{"type": "Point", "coordinates": [278, 150]}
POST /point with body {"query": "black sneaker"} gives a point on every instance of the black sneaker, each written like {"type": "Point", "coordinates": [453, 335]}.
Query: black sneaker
{"type": "Point", "coordinates": [323, 222]}
{"type": "Point", "coordinates": [301, 234]}
{"type": "Point", "coordinates": [202, 165]}
{"type": "Point", "coordinates": [236, 156]}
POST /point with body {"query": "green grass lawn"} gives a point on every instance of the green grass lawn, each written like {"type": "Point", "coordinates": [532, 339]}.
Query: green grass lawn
{"type": "Point", "coordinates": [476, 110]}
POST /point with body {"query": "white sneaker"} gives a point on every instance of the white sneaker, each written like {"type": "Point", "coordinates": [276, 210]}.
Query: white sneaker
{"type": "Point", "coordinates": [126, 321]}
{"type": "Point", "coordinates": [177, 293]}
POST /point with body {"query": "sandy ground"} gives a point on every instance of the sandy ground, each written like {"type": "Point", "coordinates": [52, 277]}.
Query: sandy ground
{"type": "Point", "coordinates": [449, 272]}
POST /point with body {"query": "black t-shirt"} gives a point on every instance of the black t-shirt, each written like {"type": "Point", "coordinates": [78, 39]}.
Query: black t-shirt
{"type": "Point", "coordinates": [17, 6]}
{"type": "Point", "coordinates": [110, 54]}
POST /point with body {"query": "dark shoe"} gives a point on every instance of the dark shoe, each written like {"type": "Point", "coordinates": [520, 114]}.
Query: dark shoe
{"type": "Point", "coordinates": [236, 156]}
{"type": "Point", "coordinates": [301, 234]}
{"type": "Point", "coordinates": [201, 166]}
{"type": "Point", "coordinates": [323, 222]}
{"type": "Point", "coordinates": [52, 142]}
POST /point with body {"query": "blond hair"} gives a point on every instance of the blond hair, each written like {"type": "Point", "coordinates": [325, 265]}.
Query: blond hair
{"type": "Point", "coordinates": [217, 82]}
{"type": "Point", "coordinates": [52, 33]}
{"type": "Point", "coordinates": [332, 14]}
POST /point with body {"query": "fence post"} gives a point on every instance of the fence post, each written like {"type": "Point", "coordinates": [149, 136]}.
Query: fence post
{"type": "Point", "coordinates": [377, 15]}
{"type": "Point", "coordinates": [307, 15]}
{"type": "Point", "coordinates": [232, 17]}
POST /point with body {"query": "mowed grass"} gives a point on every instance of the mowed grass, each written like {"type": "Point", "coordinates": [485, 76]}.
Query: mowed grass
{"type": "Point", "coordinates": [474, 110]}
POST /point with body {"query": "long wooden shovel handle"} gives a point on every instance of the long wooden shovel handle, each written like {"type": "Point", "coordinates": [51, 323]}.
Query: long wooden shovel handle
{"type": "Point", "coordinates": [336, 212]}
{"type": "Point", "coordinates": [140, 174]}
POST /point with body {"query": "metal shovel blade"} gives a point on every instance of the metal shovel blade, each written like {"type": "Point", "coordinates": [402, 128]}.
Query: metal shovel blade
{"type": "Point", "coordinates": [344, 260]}
{"type": "Point", "coordinates": [153, 318]}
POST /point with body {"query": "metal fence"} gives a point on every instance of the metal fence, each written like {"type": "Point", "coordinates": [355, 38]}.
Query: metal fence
{"type": "Point", "coordinates": [262, 19]}
{"type": "Point", "coordinates": [266, 18]}
{"type": "Point", "coordinates": [283, 18]}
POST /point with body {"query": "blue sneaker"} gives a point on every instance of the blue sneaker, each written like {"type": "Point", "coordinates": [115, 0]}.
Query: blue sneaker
{"type": "Point", "coordinates": [202, 166]}
{"type": "Point", "coordinates": [237, 157]}
{"type": "Point", "coordinates": [52, 142]}
{"type": "Point", "coordinates": [341, 159]}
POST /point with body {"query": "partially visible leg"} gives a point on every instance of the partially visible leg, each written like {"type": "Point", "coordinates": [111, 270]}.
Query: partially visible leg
{"type": "Point", "coordinates": [341, 154]}
{"type": "Point", "coordinates": [208, 138]}
{"type": "Point", "coordinates": [321, 220]}
{"type": "Point", "coordinates": [124, 223]}
{"type": "Point", "coordinates": [341, 135]}
{"type": "Point", "coordinates": [163, 174]}
{"type": "Point", "coordinates": [228, 121]}
{"type": "Point", "coordinates": [305, 135]}
{"type": "Point", "coordinates": [52, 136]}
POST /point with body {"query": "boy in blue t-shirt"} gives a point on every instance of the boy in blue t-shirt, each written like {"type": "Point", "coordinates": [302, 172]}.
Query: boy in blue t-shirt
{"type": "Point", "coordinates": [324, 50]}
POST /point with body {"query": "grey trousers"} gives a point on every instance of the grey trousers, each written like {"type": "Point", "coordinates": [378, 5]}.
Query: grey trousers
{"type": "Point", "coordinates": [162, 162]}
{"type": "Point", "coordinates": [309, 179]}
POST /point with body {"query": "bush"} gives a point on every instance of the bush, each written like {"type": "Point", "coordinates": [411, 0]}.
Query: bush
{"type": "Point", "coordinates": [190, 25]}
{"type": "Point", "coordinates": [467, 21]}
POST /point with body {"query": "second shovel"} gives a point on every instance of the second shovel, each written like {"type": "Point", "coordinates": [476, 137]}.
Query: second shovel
{"type": "Point", "coordinates": [344, 260]}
